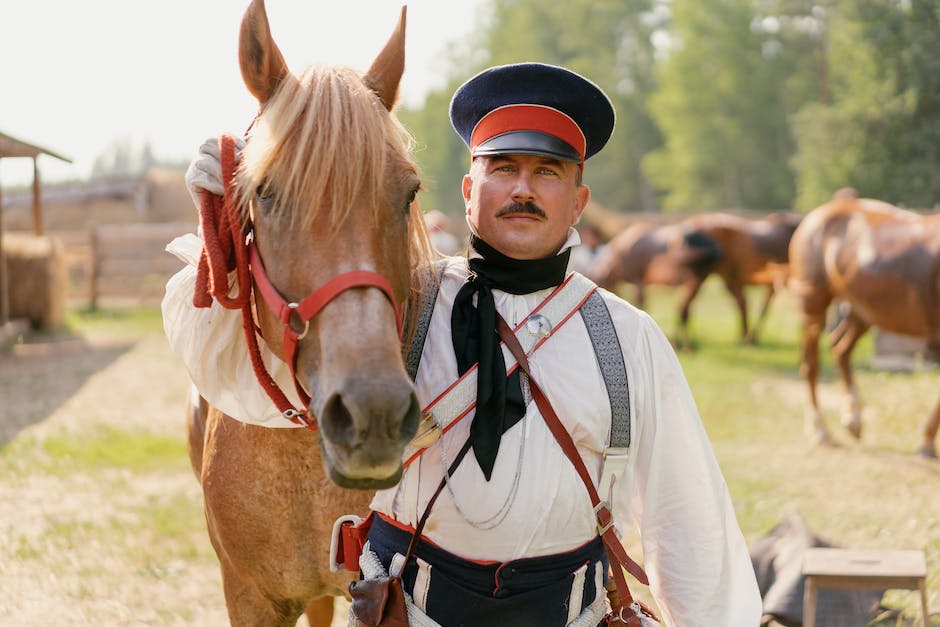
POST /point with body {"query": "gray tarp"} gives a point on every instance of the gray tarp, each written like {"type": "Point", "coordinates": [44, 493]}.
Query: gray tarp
{"type": "Point", "coordinates": [778, 562]}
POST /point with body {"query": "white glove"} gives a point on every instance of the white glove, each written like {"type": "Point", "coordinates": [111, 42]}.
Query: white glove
{"type": "Point", "coordinates": [205, 170]}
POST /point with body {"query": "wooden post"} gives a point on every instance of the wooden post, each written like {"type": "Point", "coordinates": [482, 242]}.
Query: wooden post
{"type": "Point", "coordinates": [93, 254]}
{"type": "Point", "coordinates": [37, 200]}
{"type": "Point", "coordinates": [4, 289]}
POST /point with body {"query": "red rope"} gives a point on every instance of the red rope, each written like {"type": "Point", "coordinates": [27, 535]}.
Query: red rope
{"type": "Point", "coordinates": [225, 249]}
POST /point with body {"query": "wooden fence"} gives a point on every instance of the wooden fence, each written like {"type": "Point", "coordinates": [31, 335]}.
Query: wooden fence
{"type": "Point", "coordinates": [129, 261]}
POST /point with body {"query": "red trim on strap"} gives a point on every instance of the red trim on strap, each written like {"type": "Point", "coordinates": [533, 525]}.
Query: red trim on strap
{"type": "Point", "coordinates": [512, 368]}
{"type": "Point", "coordinates": [528, 117]}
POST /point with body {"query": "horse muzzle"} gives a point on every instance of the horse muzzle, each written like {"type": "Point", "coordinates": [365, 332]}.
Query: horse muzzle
{"type": "Point", "coordinates": [364, 427]}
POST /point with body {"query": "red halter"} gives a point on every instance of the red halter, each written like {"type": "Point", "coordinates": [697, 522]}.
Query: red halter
{"type": "Point", "coordinates": [225, 249]}
{"type": "Point", "coordinates": [312, 305]}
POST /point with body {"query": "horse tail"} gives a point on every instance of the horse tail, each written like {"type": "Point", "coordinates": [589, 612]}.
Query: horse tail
{"type": "Point", "coordinates": [196, 412]}
{"type": "Point", "coordinates": [700, 253]}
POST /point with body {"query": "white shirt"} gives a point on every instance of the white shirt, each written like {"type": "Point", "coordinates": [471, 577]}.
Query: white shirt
{"type": "Point", "coordinates": [671, 488]}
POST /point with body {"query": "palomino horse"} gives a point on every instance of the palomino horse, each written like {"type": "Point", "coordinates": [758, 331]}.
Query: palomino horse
{"type": "Point", "coordinates": [326, 187]}
{"type": "Point", "coordinates": [884, 262]}
{"type": "Point", "coordinates": [741, 251]}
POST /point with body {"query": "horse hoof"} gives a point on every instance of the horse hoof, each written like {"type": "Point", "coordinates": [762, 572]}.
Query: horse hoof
{"type": "Point", "coordinates": [820, 439]}
{"type": "Point", "coordinates": [927, 452]}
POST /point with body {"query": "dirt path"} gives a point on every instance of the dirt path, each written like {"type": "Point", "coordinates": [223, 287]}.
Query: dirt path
{"type": "Point", "coordinates": [78, 543]}
{"type": "Point", "coordinates": [100, 515]}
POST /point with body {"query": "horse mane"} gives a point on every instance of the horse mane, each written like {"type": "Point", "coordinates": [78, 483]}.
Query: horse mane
{"type": "Point", "coordinates": [325, 138]}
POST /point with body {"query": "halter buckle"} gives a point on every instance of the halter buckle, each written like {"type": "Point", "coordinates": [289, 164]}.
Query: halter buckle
{"type": "Point", "coordinates": [301, 336]}
{"type": "Point", "coordinates": [295, 416]}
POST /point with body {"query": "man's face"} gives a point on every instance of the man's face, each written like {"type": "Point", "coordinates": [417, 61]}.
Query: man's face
{"type": "Point", "coordinates": [523, 205]}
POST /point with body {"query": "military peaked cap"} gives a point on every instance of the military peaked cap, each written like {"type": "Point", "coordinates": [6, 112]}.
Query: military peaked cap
{"type": "Point", "coordinates": [532, 109]}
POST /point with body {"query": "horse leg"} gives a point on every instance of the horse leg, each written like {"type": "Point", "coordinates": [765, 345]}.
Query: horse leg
{"type": "Point", "coordinates": [927, 447]}
{"type": "Point", "coordinates": [640, 294]}
{"type": "Point", "coordinates": [320, 612]}
{"type": "Point", "coordinates": [692, 287]}
{"type": "Point", "coordinates": [750, 337]}
{"type": "Point", "coordinates": [850, 330]}
{"type": "Point", "coordinates": [813, 424]}
{"type": "Point", "coordinates": [737, 292]}
{"type": "Point", "coordinates": [248, 606]}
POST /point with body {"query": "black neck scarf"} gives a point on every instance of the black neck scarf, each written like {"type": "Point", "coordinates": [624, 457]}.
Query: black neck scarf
{"type": "Point", "coordinates": [500, 403]}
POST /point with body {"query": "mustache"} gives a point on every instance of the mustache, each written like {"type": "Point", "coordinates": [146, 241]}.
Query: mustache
{"type": "Point", "coordinates": [521, 207]}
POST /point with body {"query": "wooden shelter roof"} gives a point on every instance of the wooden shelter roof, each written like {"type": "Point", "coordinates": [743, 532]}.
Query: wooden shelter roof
{"type": "Point", "coordinates": [13, 147]}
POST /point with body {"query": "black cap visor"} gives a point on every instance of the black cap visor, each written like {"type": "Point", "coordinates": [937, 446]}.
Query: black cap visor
{"type": "Point", "coordinates": [528, 143]}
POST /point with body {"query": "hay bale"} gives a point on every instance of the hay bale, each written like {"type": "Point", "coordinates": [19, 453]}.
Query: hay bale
{"type": "Point", "coordinates": [37, 278]}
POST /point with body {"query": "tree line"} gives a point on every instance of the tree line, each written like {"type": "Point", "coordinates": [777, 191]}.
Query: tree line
{"type": "Point", "coordinates": [723, 104]}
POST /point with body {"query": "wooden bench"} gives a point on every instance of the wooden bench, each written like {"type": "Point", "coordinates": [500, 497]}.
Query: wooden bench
{"type": "Point", "coordinates": [851, 569]}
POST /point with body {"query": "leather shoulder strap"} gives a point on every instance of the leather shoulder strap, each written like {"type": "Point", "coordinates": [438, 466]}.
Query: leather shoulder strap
{"type": "Point", "coordinates": [604, 517]}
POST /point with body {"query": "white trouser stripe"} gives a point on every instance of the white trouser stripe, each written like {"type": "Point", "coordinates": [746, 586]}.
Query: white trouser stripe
{"type": "Point", "coordinates": [422, 584]}
{"type": "Point", "coordinates": [577, 594]}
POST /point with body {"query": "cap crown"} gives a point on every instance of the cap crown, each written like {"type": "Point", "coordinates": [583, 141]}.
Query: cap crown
{"type": "Point", "coordinates": [532, 108]}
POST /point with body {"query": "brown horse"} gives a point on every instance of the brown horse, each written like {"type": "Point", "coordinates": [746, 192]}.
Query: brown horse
{"type": "Point", "coordinates": [884, 262]}
{"type": "Point", "coordinates": [326, 185]}
{"type": "Point", "coordinates": [742, 251]}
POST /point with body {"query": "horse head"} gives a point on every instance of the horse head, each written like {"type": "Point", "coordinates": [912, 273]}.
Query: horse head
{"type": "Point", "coordinates": [326, 186]}
{"type": "Point", "coordinates": [624, 258]}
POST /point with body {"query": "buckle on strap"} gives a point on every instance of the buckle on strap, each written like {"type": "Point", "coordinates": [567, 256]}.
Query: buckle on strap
{"type": "Point", "coordinates": [349, 536]}
{"type": "Point", "coordinates": [615, 460]}
{"type": "Point", "coordinates": [605, 519]}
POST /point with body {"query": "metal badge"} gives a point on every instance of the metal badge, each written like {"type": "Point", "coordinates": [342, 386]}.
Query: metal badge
{"type": "Point", "coordinates": [428, 432]}
{"type": "Point", "coordinates": [538, 325]}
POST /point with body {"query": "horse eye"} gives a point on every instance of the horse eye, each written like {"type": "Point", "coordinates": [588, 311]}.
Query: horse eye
{"type": "Point", "coordinates": [265, 195]}
{"type": "Point", "coordinates": [411, 198]}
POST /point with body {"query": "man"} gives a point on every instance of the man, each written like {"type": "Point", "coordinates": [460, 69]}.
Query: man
{"type": "Point", "coordinates": [583, 256]}
{"type": "Point", "coordinates": [443, 241]}
{"type": "Point", "coordinates": [512, 537]}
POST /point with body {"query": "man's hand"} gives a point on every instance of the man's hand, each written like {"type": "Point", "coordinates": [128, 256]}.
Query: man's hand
{"type": "Point", "coordinates": [205, 170]}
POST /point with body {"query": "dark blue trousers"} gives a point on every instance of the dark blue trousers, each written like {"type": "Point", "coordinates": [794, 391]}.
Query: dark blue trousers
{"type": "Point", "coordinates": [520, 593]}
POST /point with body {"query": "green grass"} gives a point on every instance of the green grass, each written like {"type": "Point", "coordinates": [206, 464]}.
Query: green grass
{"type": "Point", "coordinates": [99, 448]}
{"type": "Point", "coordinates": [127, 321]}
{"type": "Point", "coordinates": [131, 319]}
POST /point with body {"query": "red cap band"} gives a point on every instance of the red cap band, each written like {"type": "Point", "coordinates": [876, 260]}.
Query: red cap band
{"type": "Point", "coordinates": [528, 117]}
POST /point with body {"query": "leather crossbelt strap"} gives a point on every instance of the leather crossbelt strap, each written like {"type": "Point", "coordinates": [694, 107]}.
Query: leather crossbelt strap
{"type": "Point", "coordinates": [605, 522]}
{"type": "Point", "coordinates": [457, 400]}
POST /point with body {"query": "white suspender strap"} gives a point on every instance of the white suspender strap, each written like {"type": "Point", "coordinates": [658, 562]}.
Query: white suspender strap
{"type": "Point", "coordinates": [609, 355]}
{"type": "Point", "coordinates": [425, 307]}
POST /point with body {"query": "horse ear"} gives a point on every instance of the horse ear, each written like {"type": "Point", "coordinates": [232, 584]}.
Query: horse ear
{"type": "Point", "coordinates": [385, 74]}
{"type": "Point", "coordinates": [259, 58]}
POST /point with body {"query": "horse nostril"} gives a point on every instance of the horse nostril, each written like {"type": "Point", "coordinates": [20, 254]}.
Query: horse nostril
{"type": "Point", "coordinates": [337, 422]}
{"type": "Point", "coordinates": [409, 422]}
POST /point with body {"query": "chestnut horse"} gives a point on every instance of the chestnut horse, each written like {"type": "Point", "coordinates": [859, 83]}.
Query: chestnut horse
{"type": "Point", "coordinates": [884, 262]}
{"type": "Point", "coordinates": [742, 251]}
{"type": "Point", "coordinates": [326, 186]}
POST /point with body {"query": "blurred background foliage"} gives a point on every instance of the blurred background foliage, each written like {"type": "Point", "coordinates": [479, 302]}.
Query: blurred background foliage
{"type": "Point", "coordinates": [723, 104]}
